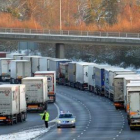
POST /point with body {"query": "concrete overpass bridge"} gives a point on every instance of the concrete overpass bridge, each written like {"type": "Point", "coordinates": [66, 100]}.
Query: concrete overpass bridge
{"type": "Point", "coordinates": [60, 38]}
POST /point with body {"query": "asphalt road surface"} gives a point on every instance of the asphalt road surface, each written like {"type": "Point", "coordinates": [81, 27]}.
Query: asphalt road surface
{"type": "Point", "coordinates": [97, 118]}
{"type": "Point", "coordinates": [33, 121]}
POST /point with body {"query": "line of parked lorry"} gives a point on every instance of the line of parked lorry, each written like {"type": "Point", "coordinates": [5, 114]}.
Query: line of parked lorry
{"type": "Point", "coordinates": [120, 85]}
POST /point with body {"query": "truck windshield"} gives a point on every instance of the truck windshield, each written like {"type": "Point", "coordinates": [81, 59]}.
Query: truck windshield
{"type": "Point", "coordinates": [65, 116]}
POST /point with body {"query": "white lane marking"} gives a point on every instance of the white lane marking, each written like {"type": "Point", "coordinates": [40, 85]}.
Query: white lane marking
{"type": "Point", "coordinates": [58, 110]}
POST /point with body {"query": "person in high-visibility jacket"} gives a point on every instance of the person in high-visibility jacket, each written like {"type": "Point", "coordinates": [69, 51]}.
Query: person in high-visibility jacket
{"type": "Point", "coordinates": [45, 116]}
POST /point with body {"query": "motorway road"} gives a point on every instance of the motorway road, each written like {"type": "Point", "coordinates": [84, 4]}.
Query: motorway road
{"type": "Point", "coordinates": [33, 121]}
{"type": "Point", "coordinates": [97, 118]}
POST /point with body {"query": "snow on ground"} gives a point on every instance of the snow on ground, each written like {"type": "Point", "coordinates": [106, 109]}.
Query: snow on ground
{"type": "Point", "coordinates": [25, 135]}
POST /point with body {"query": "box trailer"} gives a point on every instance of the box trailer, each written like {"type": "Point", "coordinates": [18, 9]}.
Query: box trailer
{"type": "Point", "coordinates": [54, 65]}
{"type": "Point", "coordinates": [36, 93]}
{"type": "Point", "coordinates": [82, 75]}
{"type": "Point", "coordinates": [133, 103]}
{"type": "Point", "coordinates": [63, 74]}
{"type": "Point", "coordinates": [3, 54]}
{"type": "Point", "coordinates": [12, 103]}
{"type": "Point", "coordinates": [112, 74]}
{"type": "Point", "coordinates": [44, 63]}
{"type": "Point", "coordinates": [5, 69]}
{"type": "Point", "coordinates": [35, 65]}
{"type": "Point", "coordinates": [51, 82]}
{"type": "Point", "coordinates": [72, 73]}
{"type": "Point", "coordinates": [14, 55]}
{"type": "Point", "coordinates": [99, 79]}
{"type": "Point", "coordinates": [118, 90]}
{"type": "Point", "coordinates": [19, 69]}
{"type": "Point", "coordinates": [126, 81]}
{"type": "Point", "coordinates": [91, 77]}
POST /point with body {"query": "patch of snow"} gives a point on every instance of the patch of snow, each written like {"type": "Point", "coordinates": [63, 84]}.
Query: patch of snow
{"type": "Point", "coordinates": [25, 135]}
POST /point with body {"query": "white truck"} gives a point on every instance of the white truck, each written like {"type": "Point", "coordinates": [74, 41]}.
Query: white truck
{"type": "Point", "coordinates": [14, 55]}
{"type": "Point", "coordinates": [44, 63]}
{"type": "Point", "coordinates": [5, 69]}
{"type": "Point", "coordinates": [12, 104]}
{"type": "Point", "coordinates": [19, 69]}
{"type": "Point", "coordinates": [51, 82]}
{"type": "Point", "coordinates": [36, 93]}
{"type": "Point", "coordinates": [133, 104]}
{"type": "Point", "coordinates": [54, 65]}
{"type": "Point", "coordinates": [118, 90]}
{"type": "Point", "coordinates": [35, 65]}
{"type": "Point", "coordinates": [91, 77]}
{"type": "Point", "coordinates": [112, 74]}
{"type": "Point", "coordinates": [82, 75]}
{"type": "Point", "coordinates": [126, 81]}
{"type": "Point", "coordinates": [72, 73]}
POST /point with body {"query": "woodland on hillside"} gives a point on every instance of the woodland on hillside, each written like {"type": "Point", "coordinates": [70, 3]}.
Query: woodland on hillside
{"type": "Point", "coordinates": [91, 15]}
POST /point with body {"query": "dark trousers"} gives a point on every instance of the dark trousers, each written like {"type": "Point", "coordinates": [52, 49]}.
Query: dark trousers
{"type": "Point", "coordinates": [46, 124]}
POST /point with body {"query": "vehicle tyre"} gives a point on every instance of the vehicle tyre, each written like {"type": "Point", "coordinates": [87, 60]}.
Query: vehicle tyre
{"type": "Point", "coordinates": [21, 117]}
{"type": "Point", "coordinates": [16, 119]}
{"type": "Point", "coordinates": [132, 128]}
{"type": "Point", "coordinates": [74, 126]}
{"type": "Point", "coordinates": [117, 108]}
{"type": "Point", "coordinates": [58, 126]}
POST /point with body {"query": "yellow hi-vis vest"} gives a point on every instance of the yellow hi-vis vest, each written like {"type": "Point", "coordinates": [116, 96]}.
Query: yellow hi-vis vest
{"type": "Point", "coordinates": [46, 116]}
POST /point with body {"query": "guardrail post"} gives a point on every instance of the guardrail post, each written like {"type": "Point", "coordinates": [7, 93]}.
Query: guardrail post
{"type": "Point", "coordinates": [119, 34]}
{"type": "Point", "coordinates": [87, 33]}
{"type": "Point", "coordinates": [138, 35]}
{"type": "Point", "coordinates": [68, 33]}
{"type": "Point", "coordinates": [107, 34]}
{"type": "Point", "coordinates": [126, 35]}
{"type": "Point", "coordinates": [100, 33]}
{"type": "Point", "coordinates": [49, 31]}
{"type": "Point", "coordinates": [30, 31]}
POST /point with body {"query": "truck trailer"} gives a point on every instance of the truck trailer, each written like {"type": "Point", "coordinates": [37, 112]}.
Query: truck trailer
{"type": "Point", "coordinates": [91, 77]}
{"type": "Point", "coordinates": [72, 74]}
{"type": "Point", "coordinates": [112, 74]}
{"type": "Point", "coordinates": [133, 103]}
{"type": "Point", "coordinates": [19, 69]}
{"type": "Point", "coordinates": [118, 90]}
{"type": "Point", "coordinates": [99, 79]}
{"type": "Point", "coordinates": [5, 69]}
{"type": "Point", "coordinates": [126, 81]}
{"type": "Point", "coordinates": [82, 75]}
{"type": "Point", "coordinates": [54, 65]}
{"type": "Point", "coordinates": [35, 63]}
{"type": "Point", "coordinates": [63, 74]}
{"type": "Point", "coordinates": [36, 93]}
{"type": "Point", "coordinates": [12, 104]}
{"type": "Point", "coordinates": [51, 82]}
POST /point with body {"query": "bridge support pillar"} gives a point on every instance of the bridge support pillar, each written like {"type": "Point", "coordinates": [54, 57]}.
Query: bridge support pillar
{"type": "Point", "coordinates": [59, 50]}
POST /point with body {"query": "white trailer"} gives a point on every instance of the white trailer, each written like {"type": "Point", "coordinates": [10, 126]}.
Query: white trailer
{"type": "Point", "coordinates": [19, 69]}
{"type": "Point", "coordinates": [14, 55]}
{"type": "Point", "coordinates": [5, 69]}
{"type": "Point", "coordinates": [36, 93]}
{"type": "Point", "coordinates": [118, 90]}
{"type": "Point", "coordinates": [112, 74]}
{"type": "Point", "coordinates": [51, 82]}
{"type": "Point", "coordinates": [54, 65]}
{"type": "Point", "coordinates": [82, 75]}
{"type": "Point", "coordinates": [133, 104]}
{"type": "Point", "coordinates": [91, 77]}
{"type": "Point", "coordinates": [72, 73]}
{"type": "Point", "coordinates": [12, 103]}
{"type": "Point", "coordinates": [44, 63]}
{"type": "Point", "coordinates": [126, 81]}
{"type": "Point", "coordinates": [35, 65]}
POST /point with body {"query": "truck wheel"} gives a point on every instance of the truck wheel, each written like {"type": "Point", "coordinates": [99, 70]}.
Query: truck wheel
{"type": "Point", "coordinates": [21, 117]}
{"type": "Point", "coordinates": [16, 120]}
{"type": "Point", "coordinates": [12, 122]}
{"type": "Point", "coordinates": [132, 128]}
